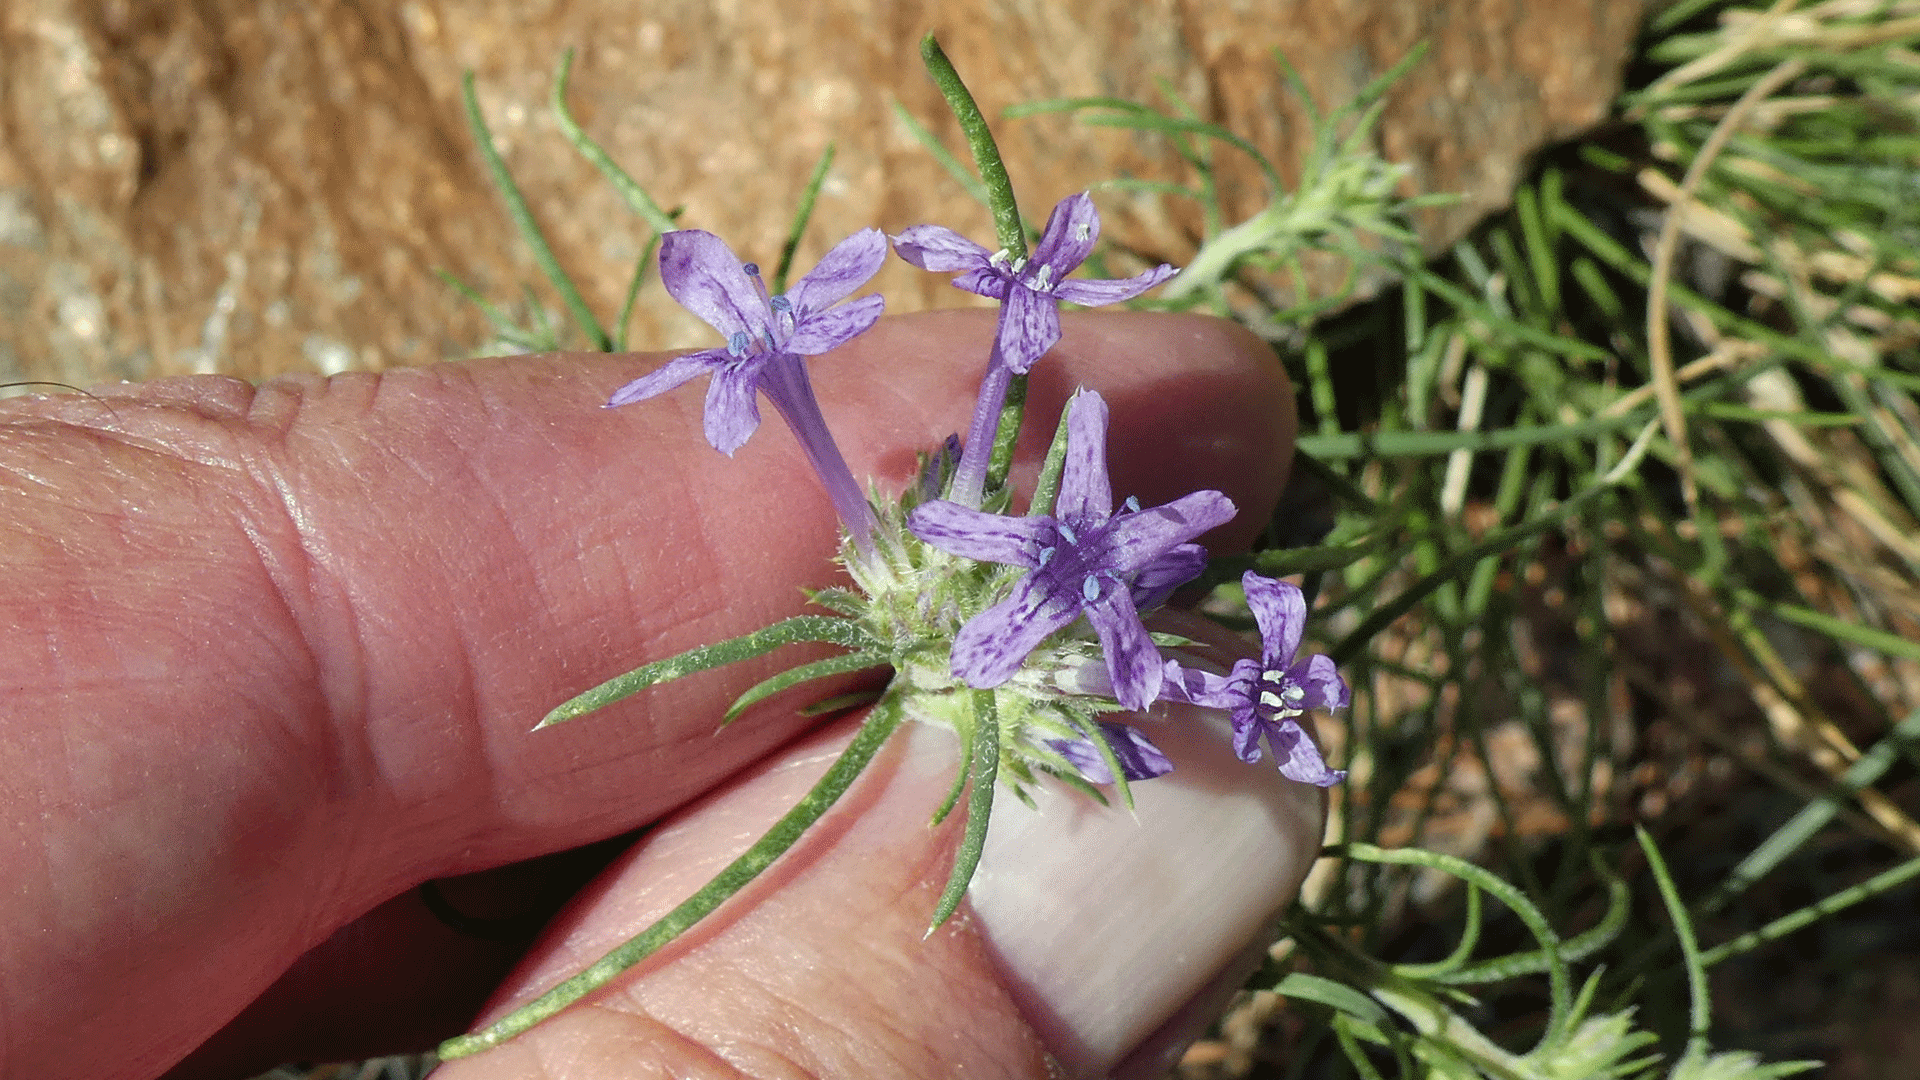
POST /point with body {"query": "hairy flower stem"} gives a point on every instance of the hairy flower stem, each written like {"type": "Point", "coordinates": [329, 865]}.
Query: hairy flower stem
{"type": "Point", "coordinates": [881, 722]}
{"type": "Point", "coordinates": [986, 155]}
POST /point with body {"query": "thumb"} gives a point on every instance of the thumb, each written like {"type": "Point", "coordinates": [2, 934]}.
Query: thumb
{"type": "Point", "coordinates": [1089, 933]}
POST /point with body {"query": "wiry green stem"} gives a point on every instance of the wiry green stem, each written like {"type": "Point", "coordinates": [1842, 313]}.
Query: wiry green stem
{"type": "Point", "coordinates": [738, 874]}
{"type": "Point", "coordinates": [529, 229]}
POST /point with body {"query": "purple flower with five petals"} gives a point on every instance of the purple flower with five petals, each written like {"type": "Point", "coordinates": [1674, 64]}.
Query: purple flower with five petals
{"type": "Point", "coordinates": [1266, 695]}
{"type": "Point", "coordinates": [766, 338]}
{"type": "Point", "coordinates": [1029, 290]}
{"type": "Point", "coordinates": [1085, 560]}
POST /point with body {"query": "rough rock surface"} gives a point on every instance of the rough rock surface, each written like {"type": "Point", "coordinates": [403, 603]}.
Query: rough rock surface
{"type": "Point", "coordinates": [256, 186]}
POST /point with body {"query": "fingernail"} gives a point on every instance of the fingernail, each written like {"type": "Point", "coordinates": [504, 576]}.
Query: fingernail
{"type": "Point", "coordinates": [1107, 925]}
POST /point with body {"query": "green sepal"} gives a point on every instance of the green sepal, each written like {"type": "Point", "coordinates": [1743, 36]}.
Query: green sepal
{"type": "Point", "coordinates": [819, 669]}
{"type": "Point", "coordinates": [826, 628]}
{"type": "Point", "coordinates": [840, 601]}
{"type": "Point", "coordinates": [837, 702]}
{"type": "Point", "coordinates": [985, 768]}
{"type": "Point", "coordinates": [965, 731]}
{"type": "Point", "coordinates": [1047, 488]}
{"type": "Point", "coordinates": [786, 832]}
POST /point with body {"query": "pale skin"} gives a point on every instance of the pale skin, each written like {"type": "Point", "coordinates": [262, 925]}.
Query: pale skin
{"type": "Point", "coordinates": [271, 656]}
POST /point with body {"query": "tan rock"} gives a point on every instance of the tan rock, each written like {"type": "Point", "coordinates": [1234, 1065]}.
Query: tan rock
{"type": "Point", "coordinates": [256, 186]}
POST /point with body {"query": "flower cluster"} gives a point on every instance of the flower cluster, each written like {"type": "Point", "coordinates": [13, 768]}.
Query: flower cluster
{"type": "Point", "coordinates": [1043, 611]}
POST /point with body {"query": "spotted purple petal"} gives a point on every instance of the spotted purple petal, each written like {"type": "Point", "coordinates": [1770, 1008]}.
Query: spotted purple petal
{"type": "Point", "coordinates": [1160, 577]}
{"type": "Point", "coordinates": [700, 271]}
{"type": "Point", "coordinates": [669, 375]}
{"type": "Point", "coordinates": [1280, 610]}
{"type": "Point", "coordinates": [843, 269]}
{"type": "Point", "coordinates": [1135, 540]}
{"type": "Point", "coordinates": [732, 414]}
{"type": "Point", "coordinates": [1132, 661]}
{"type": "Point", "coordinates": [992, 645]}
{"type": "Point", "coordinates": [1099, 292]}
{"type": "Point", "coordinates": [1299, 758]}
{"type": "Point", "coordinates": [1139, 759]}
{"type": "Point", "coordinates": [975, 534]}
{"type": "Point", "coordinates": [1029, 326]}
{"type": "Point", "coordinates": [1085, 492]}
{"type": "Point", "coordinates": [1068, 239]}
{"type": "Point", "coordinates": [834, 327]}
{"type": "Point", "coordinates": [940, 249]}
{"type": "Point", "coordinates": [1321, 680]}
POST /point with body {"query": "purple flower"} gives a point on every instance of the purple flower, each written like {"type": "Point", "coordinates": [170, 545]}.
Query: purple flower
{"type": "Point", "coordinates": [1086, 560]}
{"type": "Point", "coordinates": [766, 338]}
{"type": "Point", "coordinates": [1029, 290]}
{"type": "Point", "coordinates": [1266, 695]}
{"type": "Point", "coordinates": [1139, 759]}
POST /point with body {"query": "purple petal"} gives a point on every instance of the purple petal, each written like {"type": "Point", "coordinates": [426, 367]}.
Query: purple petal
{"type": "Point", "coordinates": [1139, 759]}
{"type": "Point", "coordinates": [1156, 582]}
{"type": "Point", "coordinates": [940, 249]}
{"type": "Point", "coordinates": [1132, 661]}
{"type": "Point", "coordinates": [1068, 238]}
{"type": "Point", "coordinates": [1193, 686]}
{"type": "Point", "coordinates": [986, 281]}
{"type": "Point", "coordinates": [1324, 687]}
{"type": "Point", "coordinates": [975, 534]}
{"type": "Point", "coordinates": [1029, 326]}
{"type": "Point", "coordinates": [1098, 292]}
{"type": "Point", "coordinates": [849, 265]}
{"type": "Point", "coordinates": [833, 327]}
{"type": "Point", "coordinates": [1085, 493]}
{"type": "Point", "coordinates": [733, 412]}
{"type": "Point", "coordinates": [1247, 725]}
{"type": "Point", "coordinates": [1280, 610]}
{"type": "Point", "coordinates": [673, 373]}
{"type": "Point", "coordinates": [993, 644]}
{"type": "Point", "coordinates": [701, 272]}
{"type": "Point", "coordinates": [1299, 758]}
{"type": "Point", "coordinates": [1134, 541]}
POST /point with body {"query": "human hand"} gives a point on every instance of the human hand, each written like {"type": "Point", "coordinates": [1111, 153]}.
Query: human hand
{"type": "Point", "coordinates": [272, 655]}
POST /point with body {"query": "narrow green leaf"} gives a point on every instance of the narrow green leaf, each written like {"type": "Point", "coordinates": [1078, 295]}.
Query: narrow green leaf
{"type": "Point", "coordinates": [1700, 1012]}
{"type": "Point", "coordinates": [1571, 951]}
{"type": "Point", "coordinates": [529, 229]}
{"type": "Point", "coordinates": [738, 875]}
{"type": "Point", "coordinates": [825, 628]}
{"type": "Point", "coordinates": [636, 197]}
{"type": "Point", "coordinates": [1882, 882]}
{"type": "Point", "coordinates": [802, 215]}
{"type": "Point", "coordinates": [819, 669]}
{"type": "Point", "coordinates": [1559, 980]}
{"type": "Point", "coordinates": [1337, 996]}
{"type": "Point", "coordinates": [1813, 817]}
{"type": "Point", "coordinates": [633, 294]}
{"type": "Point", "coordinates": [1460, 953]}
{"type": "Point", "coordinates": [986, 772]}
